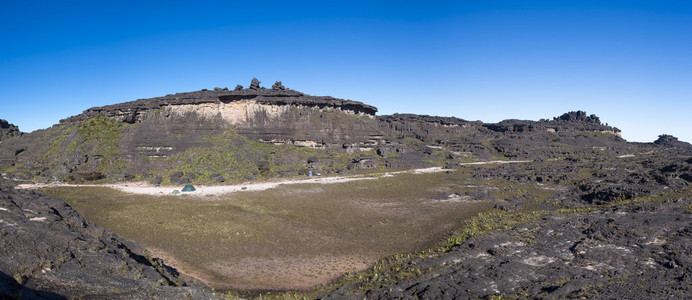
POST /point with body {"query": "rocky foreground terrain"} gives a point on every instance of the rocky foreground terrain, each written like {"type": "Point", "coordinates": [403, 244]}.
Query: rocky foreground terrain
{"type": "Point", "coordinates": [612, 236]}
{"type": "Point", "coordinates": [625, 252]}
{"type": "Point", "coordinates": [49, 251]}
{"type": "Point", "coordinates": [617, 222]}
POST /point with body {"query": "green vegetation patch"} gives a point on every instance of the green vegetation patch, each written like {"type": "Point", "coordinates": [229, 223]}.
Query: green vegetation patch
{"type": "Point", "coordinates": [238, 159]}
{"type": "Point", "coordinates": [291, 237]}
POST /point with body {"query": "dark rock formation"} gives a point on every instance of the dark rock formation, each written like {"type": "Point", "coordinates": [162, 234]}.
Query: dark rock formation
{"type": "Point", "coordinates": [278, 86]}
{"type": "Point", "coordinates": [667, 140]}
{"type": "Point", "coordinates": [570, 121]}
{"type": "Point", "coordinates": [639, 251]}
{"type": "Point", "coordinates": [49, 251]}
{"type": "Point", "coordinates": [255, 84]}
{"type": "Point", "coordinates": [8, 130]}
{"type": "Point", "coordinates": [578, 116]}
{"type": "Point", "coordinates": [429, 129]}
{"type": "Point", "coordinates": [133, 111]}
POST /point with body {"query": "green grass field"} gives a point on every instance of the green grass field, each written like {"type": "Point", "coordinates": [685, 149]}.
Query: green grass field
{"type": "Point", "coordinates": [293, 237]}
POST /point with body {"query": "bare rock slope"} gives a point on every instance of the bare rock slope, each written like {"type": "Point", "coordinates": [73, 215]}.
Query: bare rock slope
{"type": "Point", "coordinates": [49, 251]}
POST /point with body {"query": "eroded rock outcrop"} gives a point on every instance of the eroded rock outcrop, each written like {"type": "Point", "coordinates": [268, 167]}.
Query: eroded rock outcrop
{"type": "Point", "coordinates": [667, 140]}
{"type": "Point", "coordinates": [8, 130]}
{"type": "Point", "coordinates": [570, 121]}
{"type": "Point", "coordinates": [49, 251]}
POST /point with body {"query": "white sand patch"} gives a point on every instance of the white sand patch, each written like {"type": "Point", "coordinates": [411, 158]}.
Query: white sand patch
{"type": "Point", "coordinates": [511, 244]}
{"type": "Point", "coordinates": [597, 267]}
{"type": "Point", "coordinates": [650, 263]}
{"type": "Point", "coordinates": [495, 162]}
{"type": "Point", "coordinates": [626, 156]}
{"type": "Point", "coordinates": [425, 171]}
{"type": "Point", "coordinates": [539, 261]}
{"type": "Point", "coordinates": [3, 209]}
{"type": "Point", "coordinates": [656, 241]}
{"type": "Point", "coordinates": [38, 219]}
{"type": "Point", "coordinates": [8, 223]}
{"type": "Point", "coordinates": [453, 198]}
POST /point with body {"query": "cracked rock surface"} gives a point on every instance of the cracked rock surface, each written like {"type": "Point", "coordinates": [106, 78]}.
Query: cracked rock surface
{"type": "Point", "coordinates": [49, 251]}
{"type": "Point", "coordinates": [640, 251]}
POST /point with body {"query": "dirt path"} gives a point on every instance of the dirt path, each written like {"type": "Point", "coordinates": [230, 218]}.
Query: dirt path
{"type": "Point", "coordinates": [212, 190]}
{"type": "Point", "coordinates": [495, 162]}
{"type": "Point", "coordinates": [203, 191]}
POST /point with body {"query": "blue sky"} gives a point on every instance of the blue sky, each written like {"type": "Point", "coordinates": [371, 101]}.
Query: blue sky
{"type": "Point", "coordinates": [629, 62]}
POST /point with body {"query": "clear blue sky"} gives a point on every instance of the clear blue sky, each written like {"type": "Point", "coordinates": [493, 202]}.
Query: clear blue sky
{"type": "Point", "coordinates": [629, 62]}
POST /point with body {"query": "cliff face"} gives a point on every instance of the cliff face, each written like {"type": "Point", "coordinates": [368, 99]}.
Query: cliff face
{"type": "Point", "coordinates": [278, 115]}
{"type": "Point", "coordinates": [236, 106]}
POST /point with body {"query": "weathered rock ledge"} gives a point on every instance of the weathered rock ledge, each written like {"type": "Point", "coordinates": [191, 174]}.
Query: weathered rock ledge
{"type": "Point", "coordinates": [444, 121]}
{"type": "Point", "coordinates": [130, 112]}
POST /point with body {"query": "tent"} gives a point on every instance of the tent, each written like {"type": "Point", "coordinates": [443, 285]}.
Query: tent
{"type": "Point", "coordinates": [175, 192]}
{"type": "Point", "coordinates": [189, 188]}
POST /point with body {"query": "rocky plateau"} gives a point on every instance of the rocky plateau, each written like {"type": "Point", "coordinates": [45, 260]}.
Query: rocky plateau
{"type": "Point", "coordinates": [617, 222]}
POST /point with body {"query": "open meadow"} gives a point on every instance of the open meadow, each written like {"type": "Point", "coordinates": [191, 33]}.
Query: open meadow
{"type": "Point", "coordinates": [291, 237]}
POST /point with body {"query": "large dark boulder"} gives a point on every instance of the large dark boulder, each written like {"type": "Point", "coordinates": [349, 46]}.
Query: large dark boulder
{"type": "Point", "coordinates": [278, 86]}
{"type": "Point", "coordinates": [255, 84]}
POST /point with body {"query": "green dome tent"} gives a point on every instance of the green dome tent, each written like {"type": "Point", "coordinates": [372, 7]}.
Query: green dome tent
{"type": "Point", "coordinates": [189, 188]}
{"type": "Point", "coordinates": [175, 192]}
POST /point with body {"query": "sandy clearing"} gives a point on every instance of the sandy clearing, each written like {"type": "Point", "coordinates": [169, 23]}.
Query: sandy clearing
{"type": "Point", "coordinates": [626, 156]}
{"type": "Point", "coordinates": [204, 191]}
{"type": "Point", "coordinates": [254, 273]}
{"type": "Point", "coordinates": [289, 272]}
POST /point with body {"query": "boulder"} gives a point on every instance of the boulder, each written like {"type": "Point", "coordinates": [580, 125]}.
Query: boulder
{"type": "Point", "coordinates": [255, 84]}
{"type": "Point", "coordinates": [217, 178]}
{"type": "Point", "coordinates": [278, 86]}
